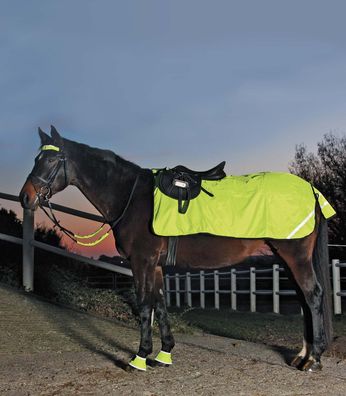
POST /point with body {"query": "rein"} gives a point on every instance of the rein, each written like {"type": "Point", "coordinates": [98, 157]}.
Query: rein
{"type": "Point", "coordinates": [44, 194]}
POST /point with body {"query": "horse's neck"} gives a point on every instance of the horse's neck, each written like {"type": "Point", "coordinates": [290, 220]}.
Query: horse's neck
{"type": "Point", "coordinates": [105, 184]}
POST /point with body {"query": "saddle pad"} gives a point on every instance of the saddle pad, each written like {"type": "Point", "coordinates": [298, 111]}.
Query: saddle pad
{"type": "Point", "coordinates": [260, 205]}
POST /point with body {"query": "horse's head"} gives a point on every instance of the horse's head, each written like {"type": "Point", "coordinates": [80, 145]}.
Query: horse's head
{"type": "Point", "coordinates": [48, 175]}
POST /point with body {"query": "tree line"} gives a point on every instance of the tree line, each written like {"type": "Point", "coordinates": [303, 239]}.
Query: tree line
{"type": "Point", "coordinates": [326, 170]}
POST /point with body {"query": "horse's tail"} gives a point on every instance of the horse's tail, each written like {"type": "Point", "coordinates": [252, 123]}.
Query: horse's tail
{"type": "Point", "coordinates": [322, 271]}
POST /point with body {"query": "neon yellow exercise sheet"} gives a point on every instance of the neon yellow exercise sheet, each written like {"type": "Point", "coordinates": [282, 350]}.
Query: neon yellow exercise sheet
{"type": "Point", "coordinates": [259, 205]}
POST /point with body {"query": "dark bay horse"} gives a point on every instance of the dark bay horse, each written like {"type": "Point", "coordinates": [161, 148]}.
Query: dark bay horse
{"type": "Point", "coordinates": [123, 194]}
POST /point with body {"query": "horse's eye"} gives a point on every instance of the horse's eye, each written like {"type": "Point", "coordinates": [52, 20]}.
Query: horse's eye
{"type": "Point", "coordinates": [51, 159]}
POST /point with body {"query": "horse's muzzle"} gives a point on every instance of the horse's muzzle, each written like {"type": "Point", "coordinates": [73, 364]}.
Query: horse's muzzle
{"type": "Point", "coordinates": [28, 197]}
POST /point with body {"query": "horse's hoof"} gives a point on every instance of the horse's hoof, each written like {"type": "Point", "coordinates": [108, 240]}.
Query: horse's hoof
{"type": "Point", "coordinates": [312, 365]}
{"type": "Point", "coordinates": [159, 364]}
{"type": "Point", "coordinates": [297, 361]}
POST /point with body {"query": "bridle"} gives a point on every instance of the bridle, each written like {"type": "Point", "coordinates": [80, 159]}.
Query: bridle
{"type": "Point", "coordinates": [45, 193]}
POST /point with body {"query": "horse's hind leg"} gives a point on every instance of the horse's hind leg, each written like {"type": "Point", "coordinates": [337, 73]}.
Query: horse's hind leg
{"type": "Point", "coordinates": [298, 257]}
{"type": "Point", "coordinates": [301, 358]}
{"type": "Point", "coordinates": [167, 339]}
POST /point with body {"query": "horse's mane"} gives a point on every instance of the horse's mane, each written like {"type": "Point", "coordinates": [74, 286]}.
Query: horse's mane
{"type": "Point", "coordinates": [98, 154]}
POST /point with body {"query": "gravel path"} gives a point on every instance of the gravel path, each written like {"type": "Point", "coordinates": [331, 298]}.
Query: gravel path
{"type": "Point", "coordinates": [50, 350]}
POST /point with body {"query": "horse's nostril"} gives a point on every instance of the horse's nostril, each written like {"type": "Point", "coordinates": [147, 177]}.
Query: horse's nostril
{"type": "Point", "coordinates": [25, 199]}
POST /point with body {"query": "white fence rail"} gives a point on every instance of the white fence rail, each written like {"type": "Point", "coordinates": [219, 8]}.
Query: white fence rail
{"type": "Point", "coordinates": [29, 244]}
{"type": "Point", "coordinates": [180, 286]}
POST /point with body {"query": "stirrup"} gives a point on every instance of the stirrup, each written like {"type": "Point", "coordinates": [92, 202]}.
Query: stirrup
{"type": "Point", "coordinates": [139, 363]}
{"type": "Point", "coordinates": [164, 357]}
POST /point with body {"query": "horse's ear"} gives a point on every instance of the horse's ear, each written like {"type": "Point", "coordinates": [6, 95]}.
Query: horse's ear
{"type": "Point", "coordinates": [45, 139]}
{"type": "Point", "coordinates": [56, 136]}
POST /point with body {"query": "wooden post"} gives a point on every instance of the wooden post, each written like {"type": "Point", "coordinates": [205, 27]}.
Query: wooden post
{"type": "Point", "coordinates": [216, 290]}
{"type": "Point", "coordinates": [252, 289]}
{"type": "Point", "coordinates": [336, 287]}
{"type": "Point", "coordinates": [202, 289]}
{"type": "Point", "coordinates": [168, 294]}
{"type": "Point", "coordinates": [233, 289]}
{"type": "Point", "coordinates": [28, 250]}
{"type": "Point", "coordinates": [188, 289]}
{"type": "Point", "coordinates": [276, 288]}
{"type": "Point", "coordinates": [177, 290]}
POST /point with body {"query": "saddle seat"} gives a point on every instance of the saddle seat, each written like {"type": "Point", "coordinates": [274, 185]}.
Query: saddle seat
{"type": "Point", "coordinates": [215, 173]}
{"type": "Point", "coordinates": [184, 184]}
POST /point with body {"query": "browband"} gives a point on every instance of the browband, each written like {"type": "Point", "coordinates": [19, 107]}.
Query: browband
{"type": "Point", "coordinates": [49, 147]}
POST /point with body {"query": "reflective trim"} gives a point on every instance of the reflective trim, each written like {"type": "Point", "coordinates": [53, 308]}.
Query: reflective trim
{"type": "Point", "coordinates": [95, 242]}
{"type": "Point", "coordinates": [139, 363]}
{"type": "Point", "coordinates": [164, 357]}
{"type": "Point", "coordinates": [49, 147]}
{"type": "Point", "coordinates": [307, 218]}
{"type": "Point", "coordinates": [89, 235]}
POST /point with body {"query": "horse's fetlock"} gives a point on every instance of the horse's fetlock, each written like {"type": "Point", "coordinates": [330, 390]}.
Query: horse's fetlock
{"type": "Point", "coordinates": [145, 350]}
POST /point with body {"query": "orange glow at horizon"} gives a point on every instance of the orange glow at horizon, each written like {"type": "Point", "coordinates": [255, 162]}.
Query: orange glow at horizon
{"type": "Point", "coordinates": [75, 224]}
{"type": "Point", "coordinates": [73, 198]}
{"type": "Point", "coordinates": [83, 227]}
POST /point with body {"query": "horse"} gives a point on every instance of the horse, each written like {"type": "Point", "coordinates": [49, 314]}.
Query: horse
{"type": "Point", "coordinates": [123, 193]}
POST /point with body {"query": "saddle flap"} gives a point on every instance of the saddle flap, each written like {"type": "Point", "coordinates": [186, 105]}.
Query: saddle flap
{"type": "Point", "coordinates": [178, 185]}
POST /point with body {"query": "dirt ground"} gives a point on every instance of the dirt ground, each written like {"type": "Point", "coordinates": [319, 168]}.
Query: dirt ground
{"type": "Point", "coordinates": [50, 350]}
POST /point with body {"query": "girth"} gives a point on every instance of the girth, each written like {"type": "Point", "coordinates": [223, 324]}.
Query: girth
{"type": "Point", "coordinates": [184, 184]}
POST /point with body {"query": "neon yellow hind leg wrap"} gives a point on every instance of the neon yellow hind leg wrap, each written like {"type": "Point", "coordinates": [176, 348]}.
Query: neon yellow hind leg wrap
{"type": "Point", "coordinates": [164, 357]}
{"type": "Point", "coordinates": [139, 363]}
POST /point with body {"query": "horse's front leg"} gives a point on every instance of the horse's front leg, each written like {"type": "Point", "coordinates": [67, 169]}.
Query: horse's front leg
{"type": "Point", "coordinates": [167, 339]}
{"type": "Point", "coordinates": [144, 278]}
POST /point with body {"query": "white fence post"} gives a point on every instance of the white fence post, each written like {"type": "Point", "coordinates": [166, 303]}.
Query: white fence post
{"type": "Point", "coordinates": [216, 290]}
{"type": "Point", "coordinates": [337, 293]}
{"type": "Point", "coordinates": [233, 289]}
{"type": "Point", "coordinates": [168, 289]}
{"type": "Point", "coordinates": [177, 290]}
{"type": "Point", "coordinates": [252, 289]}
{"type": "Point", "coordinates": [276, 288]}
{"type": "Point", "coordinates": [28, 250]}
{"type": "Point", "coordinates": [202, 289]}
{"type": "Point", "coordinates": [188, 289]}
{"type": "Point", "coordinates": [336, 287]}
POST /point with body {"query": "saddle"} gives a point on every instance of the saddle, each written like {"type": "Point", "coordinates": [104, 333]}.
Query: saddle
{"type": "Point", "coordinates": [184, 184]}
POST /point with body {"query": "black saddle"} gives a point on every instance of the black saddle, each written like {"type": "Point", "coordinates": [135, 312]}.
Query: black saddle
{"type": "Point", "coordinates": [184, 184]}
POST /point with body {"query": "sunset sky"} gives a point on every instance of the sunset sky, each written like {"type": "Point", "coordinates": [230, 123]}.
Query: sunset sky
{"type": "Point", "coordinates": [168, 82]}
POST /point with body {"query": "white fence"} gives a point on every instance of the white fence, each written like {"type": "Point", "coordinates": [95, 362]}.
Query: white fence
{"type": "Point", "coordinates": [178, 287]}
{"type": "Point", "coordinates": [29, 244]}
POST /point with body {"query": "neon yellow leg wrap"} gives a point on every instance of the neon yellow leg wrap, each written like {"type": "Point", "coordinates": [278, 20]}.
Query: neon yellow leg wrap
{"type": "Point", "coordinates": [139, 363]}
{"type": "Point", "coordinates": [164, 357]}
